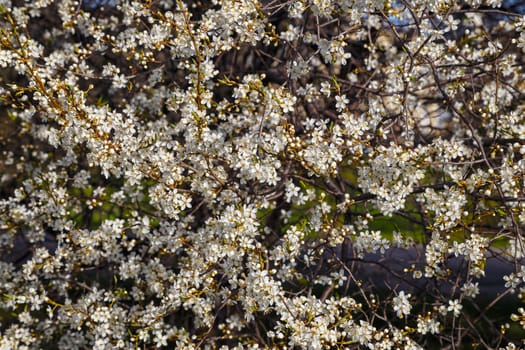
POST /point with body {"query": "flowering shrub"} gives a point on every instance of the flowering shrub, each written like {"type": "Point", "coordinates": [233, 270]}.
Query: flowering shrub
{"type": "Point", "coordinates": [210, 174]}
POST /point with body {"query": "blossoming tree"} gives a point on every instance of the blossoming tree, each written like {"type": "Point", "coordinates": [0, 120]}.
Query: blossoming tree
{"type": "Point", "coordinates": [214, 174]}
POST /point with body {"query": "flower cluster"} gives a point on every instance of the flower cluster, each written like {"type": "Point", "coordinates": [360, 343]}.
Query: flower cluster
{"type": "Point", "coordinates": [246, 174]}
